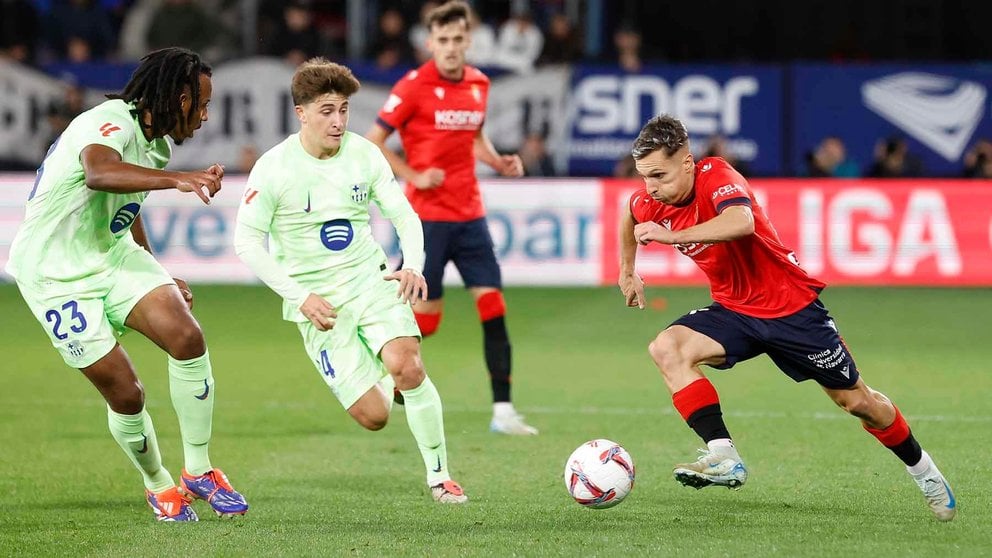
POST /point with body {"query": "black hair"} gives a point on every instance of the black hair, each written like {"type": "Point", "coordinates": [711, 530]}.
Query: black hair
{"type": "Point", "coordinates": [157, 84]}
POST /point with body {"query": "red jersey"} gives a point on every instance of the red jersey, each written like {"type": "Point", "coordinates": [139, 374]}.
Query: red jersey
{"type": "Point", "coordinates": [437, 120]}
{"type": "Point", "coordinates": [755, 275]}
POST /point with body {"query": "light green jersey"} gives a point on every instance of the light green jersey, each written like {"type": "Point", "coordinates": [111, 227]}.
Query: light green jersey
{"type": "Point", "coordinates": [72, 234]}
{"type": "Point", "coordinates": [316, 212]}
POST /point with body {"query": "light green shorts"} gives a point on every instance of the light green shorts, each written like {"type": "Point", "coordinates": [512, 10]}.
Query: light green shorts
{"type": "Point", "coordinates": [347, 356]}
{"type": "Point", "coordinates": [84, 325]}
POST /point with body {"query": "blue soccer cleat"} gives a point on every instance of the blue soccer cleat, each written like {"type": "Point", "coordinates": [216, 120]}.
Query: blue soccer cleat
{"type": "Point", "coordinates": [214, 487]}
{"type": "Point", "coordinates": [712, 470]}
{"type": "Point", "coordinates": [171, 505]}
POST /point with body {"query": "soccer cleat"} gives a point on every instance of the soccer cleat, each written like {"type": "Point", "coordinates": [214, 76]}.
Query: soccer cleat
{"type": "Point", "coordinates": [512, 424]}
{"type": "Point", "coordinates": [448, 492]}
{"type": "Point", "coordinates": [711, 469]}
{"type": "Point", "coordinates": [214, 487]}
{"type": "Point", "coordinates": [938, 493]}
{"type": "Point", "coordinates": [171, 505]}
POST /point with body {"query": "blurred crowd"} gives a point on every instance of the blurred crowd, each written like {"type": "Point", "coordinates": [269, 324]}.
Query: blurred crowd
{"type": "Point", "coordinates": [512, 36]}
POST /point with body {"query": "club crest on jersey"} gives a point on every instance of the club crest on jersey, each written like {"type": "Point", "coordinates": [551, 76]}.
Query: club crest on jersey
{"type": "Point", "coordinates": [337, 234]}
{"type": "Point", "coordinates": [476, 93]}
{"type": "Point", "coordinates": [439, 91]}
{"type": "Point", "coordinates": [124, 217]}
{"type": "Point", "coordinates": [360, 192]}
{"type": "Point", "coordinates": [75, 348]}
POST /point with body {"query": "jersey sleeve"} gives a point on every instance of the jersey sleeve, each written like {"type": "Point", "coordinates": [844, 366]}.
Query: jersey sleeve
{"type": "Point", "coordinates": [400, 105]}
{"type": "Point", "coordinates": [259, 202]}
{"type": "Point", "coordinates": [108, 129]}
{"type": "Point", "coordinates": [386, 194]}
{"type": "Point", "coordinates": [725, 187]}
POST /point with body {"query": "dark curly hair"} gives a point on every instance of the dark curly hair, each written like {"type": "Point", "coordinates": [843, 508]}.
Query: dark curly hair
{"type": "Point", "coordinates": [158, 82]}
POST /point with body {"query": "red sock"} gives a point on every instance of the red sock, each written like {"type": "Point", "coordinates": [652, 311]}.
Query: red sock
{"type": "Point", "coordinates": [694, 397]}
{"type": "Point", "coordinates": [428, 323]}
{"type": "Point", "coordinates": [893, 434]}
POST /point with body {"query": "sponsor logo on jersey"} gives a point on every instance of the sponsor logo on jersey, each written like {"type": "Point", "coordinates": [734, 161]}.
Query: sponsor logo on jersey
{"type": "Point", "coordinates": [108, 129]}
{"type": "Point", "coordinates": [706, 167]}
{"type": "Point", "coordinates": [940, 112]}
{"type": "Point", "coordinates": [307, 208]}
{"type": "Point", "coordinates": [250, 195]}
{"type": "Point", "coordinates": [360, 192]}
{"type": "Point", "coordinates": [458, 119]}
{"type": "Point", "coordinates": [727, 190]}
{"type": "Point", "coordinates": [337, 234]}
{"type": "Point", "coordinates": [391, 103]}
{"type": "Point", "coordinates": [124, 217]}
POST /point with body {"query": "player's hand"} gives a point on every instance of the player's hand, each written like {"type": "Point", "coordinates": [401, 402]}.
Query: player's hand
{"type": "Point", "coordinates": [217, 169]}
{"type": "Point", "coordinates": [632, 287]}
{"type": "Point", "coordinates": [413, 286]}
{"type": "Point", "coordinates": [649, 231]}
{"type": "Point", "coordinates": [320, 312]}
{"type": "Point", "coordinates": [185, 291]}
{"type": "Point", "coordinates": [430, 178]}
{"type": "Point", "coordinates": [205, 184]}
{"type": "Point", "coordinates": [511, 165]}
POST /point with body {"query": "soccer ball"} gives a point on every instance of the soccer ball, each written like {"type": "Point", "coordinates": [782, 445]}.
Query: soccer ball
{"type": "Point", "coordinates": [599, 474]}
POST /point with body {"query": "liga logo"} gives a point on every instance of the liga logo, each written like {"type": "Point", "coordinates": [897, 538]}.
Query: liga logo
{"type": "Point", "coordinates": [124, 217]}
{"type": "Point", "coordinates": [337, 234]}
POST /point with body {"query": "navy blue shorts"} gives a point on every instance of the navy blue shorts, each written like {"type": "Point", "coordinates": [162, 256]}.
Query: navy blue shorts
{"type": "Point", "coordinates": [805, 345]}
{"type": "Point", "coordinates": [469, 245]}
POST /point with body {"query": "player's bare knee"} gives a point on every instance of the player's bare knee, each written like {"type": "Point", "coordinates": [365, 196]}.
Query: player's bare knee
{"type": "Point", "coordinates": [409, 374]}
{"type": "Point", "coordinates": [665, 351]}
{"type": "Point", "coordinates": [187, 342]}
{"type": "Point", "coordinates": [375, 422]}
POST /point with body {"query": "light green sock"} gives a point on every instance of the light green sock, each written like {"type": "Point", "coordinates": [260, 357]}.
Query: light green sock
{"type": "Point", "coordinates": [424, 415]}
{"type": "Point", "coordinates": [191, 385]}
{"type": "Point", "coordinates": [135, 434]}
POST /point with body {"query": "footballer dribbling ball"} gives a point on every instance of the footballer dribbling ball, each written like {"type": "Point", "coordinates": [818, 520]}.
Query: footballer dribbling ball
{"type": "Point", "coordinates": [599, 474]}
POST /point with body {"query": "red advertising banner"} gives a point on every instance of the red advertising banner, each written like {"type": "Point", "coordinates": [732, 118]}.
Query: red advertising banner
{"type": "Point", "coordinates": [847, 232]}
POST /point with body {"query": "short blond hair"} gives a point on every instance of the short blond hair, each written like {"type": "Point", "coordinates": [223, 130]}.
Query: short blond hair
{"type": "Point", "coordinates": [319, 76]}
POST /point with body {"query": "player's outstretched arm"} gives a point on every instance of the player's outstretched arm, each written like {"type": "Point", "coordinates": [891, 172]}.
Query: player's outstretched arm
{"type": "Point", "coordinates": [630, 283]}
{"type": "Point", "coordinates": [734, 222]}
{"type": "Point", "coordinates": [505, 165]}
{"type": "Point", "coordinates": [107, 172]}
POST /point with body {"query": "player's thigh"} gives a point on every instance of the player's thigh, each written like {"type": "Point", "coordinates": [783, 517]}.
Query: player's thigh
{"type": "Point", "coordinates": [384, 317]}
{"type": "Point", "coordinates": [474, 255]}
{"type": "Point", "coordinates": [438, 236]}
{"type": "Point", "coordinates": [76, 324]}
{"type": "Point", "coordinates": [145, 298]}
{"type": "Point", "coordinates": [722, 338]}
{"type": "Point", "coordinates": [808, 346]}
{"type": "Point", "coordinates": [341, 357]}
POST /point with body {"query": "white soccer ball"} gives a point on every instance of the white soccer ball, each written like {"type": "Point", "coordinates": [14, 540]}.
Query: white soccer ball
{"type": "Point", "coordinates": [599, 474]}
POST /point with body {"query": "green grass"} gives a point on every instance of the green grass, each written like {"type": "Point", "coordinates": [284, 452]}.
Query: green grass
{"type": "Point", "coordinates": [319, 485]}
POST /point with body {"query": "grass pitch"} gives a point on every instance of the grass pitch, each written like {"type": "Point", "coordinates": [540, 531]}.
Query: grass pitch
{"type": "Point", "coordinates": [319, 485]}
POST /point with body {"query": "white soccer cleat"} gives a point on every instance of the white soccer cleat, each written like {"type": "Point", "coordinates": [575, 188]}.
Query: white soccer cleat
{"type": "Point", "coordinates": [512, 424]}
{"type": "Point", "coordinates": [938, 493]}
{"type": "Point", "coordinates": [712, 470]}
{"type": "Point", "coordinates": [448, 492]}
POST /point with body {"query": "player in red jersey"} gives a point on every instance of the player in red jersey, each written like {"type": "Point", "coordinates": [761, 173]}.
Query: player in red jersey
{"type": "Point", "coordinates": [763, 303]}
{"type": "Point", "coordinates": [438, 110]}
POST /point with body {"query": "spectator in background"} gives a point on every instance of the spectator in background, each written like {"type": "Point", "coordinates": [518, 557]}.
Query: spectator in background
{"type": "Point", "coordinates": [185, 23]}
{"type": "Point", "coordinates": [392, 46]}
{"type": "Point", "coordinates": [296, 38]}
{"type": "Point", "coordinates": [563, 45]}
{"type": "Point", "coordinates": [18, 30]}
{"type": "Point", "coordinates": [419, 33]}
{"type": "Point", "coordinates": [534, 154]}
{"type": "Point", "coordinates": [717, 147]}
{"type": "Point", "coordinates": [627, 40]}
{"type": "Point", "coordinates": [624, 167]}
{"type": "Point", "coordinates": [482, 43]}
{"type": "Point", "coordinates": [978, 160]}
{"type": "Point", "coordinates": [61, 114]}
{"type": "Point", "coordinates": [519, 42]}
{"type": "Point", "coordinates": [829, 159]}
{"type": "Point", "coordinates": [80, 30]}
{"type": "Point", "coordinates": [893, 160]}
